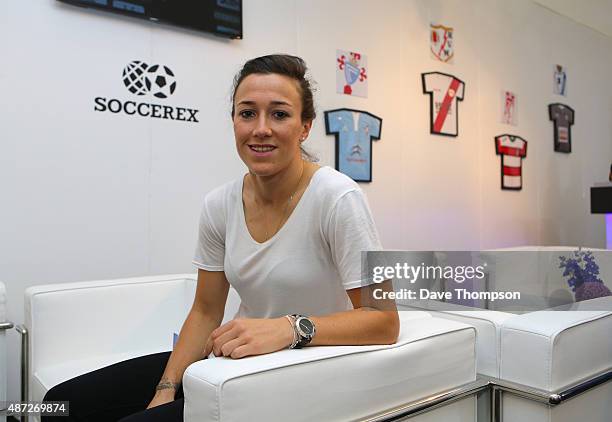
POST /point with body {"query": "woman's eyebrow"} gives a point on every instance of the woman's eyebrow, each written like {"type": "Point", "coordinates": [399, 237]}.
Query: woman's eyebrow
{"type": "Point", "coordinates": [276, 102]}
{"type": "Point", "coordinates": [281, 103]}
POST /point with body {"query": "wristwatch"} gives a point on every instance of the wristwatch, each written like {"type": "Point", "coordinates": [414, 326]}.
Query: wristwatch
{"type": "Point", "coordinates": [304, 329]}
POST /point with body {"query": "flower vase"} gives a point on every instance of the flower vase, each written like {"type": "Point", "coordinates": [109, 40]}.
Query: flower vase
{"type": "Point", "coordinates": [591, 290]}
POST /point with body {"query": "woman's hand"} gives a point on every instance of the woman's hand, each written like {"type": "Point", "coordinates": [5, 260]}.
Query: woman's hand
{"type": "Point", "coordinates": [246, 337]}
{"type": "Point", "coordinates": [162, 397]}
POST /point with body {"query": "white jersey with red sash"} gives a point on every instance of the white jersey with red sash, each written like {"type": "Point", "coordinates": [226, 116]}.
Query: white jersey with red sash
{"type": "Point", "coordinates": [444, 91]}
{"type": "Point", "coordinates": [512, 149]}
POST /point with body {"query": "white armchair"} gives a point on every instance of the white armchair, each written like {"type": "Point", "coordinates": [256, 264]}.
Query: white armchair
{"type": "Point", "coordinates": [75, 328]}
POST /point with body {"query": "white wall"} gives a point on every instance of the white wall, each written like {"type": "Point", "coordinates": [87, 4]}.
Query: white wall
{"type": "Point", "coordinates": [520, 42]}
{"type": "Point", "coordinates": [89, 195]}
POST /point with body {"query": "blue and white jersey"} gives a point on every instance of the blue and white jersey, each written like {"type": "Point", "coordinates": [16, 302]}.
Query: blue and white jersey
{"type": "Point", "coordinates": [354, 130]}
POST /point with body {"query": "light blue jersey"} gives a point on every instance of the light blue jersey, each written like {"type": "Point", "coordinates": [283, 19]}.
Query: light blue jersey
{"type": "Point", "coordinates": [354, 130]}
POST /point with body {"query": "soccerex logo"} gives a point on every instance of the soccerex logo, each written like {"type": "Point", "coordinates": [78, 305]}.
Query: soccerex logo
{"type": "Point", "coordinates": [141, 79]}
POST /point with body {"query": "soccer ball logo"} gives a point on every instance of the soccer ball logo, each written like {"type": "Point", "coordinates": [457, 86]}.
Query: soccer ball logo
{"type": "Point", "coordinates": [160, 81]}
{"type": "Point", "coordinates": [140, 78]}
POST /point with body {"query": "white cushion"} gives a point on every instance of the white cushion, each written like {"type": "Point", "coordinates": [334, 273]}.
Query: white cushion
{"type": "Point", "coordinates": [553, 349]}
{"type": "Point", "coordinates": [334, 383]}
{"type": "Point", "coordinates": [487, 324]}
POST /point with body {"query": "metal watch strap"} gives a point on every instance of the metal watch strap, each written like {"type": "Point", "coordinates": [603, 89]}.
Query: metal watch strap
{"type": "Point", "coordinates": [296, 336]}
{"type": "Point", "coordinates": [303, 340]}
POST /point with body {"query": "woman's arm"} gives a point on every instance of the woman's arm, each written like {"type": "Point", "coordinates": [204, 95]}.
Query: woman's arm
{"type": "Point", "coordinates": [205, 315]}
{"type": "Point", "coordinates": [373, 321]}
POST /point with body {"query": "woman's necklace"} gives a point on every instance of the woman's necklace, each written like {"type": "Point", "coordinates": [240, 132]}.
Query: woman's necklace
{"type": "Point", "coordinates": [284, 215]}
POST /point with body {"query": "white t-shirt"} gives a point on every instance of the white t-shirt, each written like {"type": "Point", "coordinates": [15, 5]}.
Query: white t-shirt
{"type": "Point", "coordinates": [307, 265]}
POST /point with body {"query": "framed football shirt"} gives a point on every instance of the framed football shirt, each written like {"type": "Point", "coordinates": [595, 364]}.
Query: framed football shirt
{"type": "Point", "coordinates": [354, 131]}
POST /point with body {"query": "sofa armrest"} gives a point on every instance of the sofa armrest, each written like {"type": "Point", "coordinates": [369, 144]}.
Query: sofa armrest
{"type": "Point", "coordinates": [552, 349]}
{"type": "Point", "coordinates": [333, 382]}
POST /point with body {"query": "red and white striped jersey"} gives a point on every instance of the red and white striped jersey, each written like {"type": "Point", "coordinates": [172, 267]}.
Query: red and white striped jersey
{"type": "Point", "coordinates": [444, 91]}
{"type": "Point", "coordinates": [512, 149]}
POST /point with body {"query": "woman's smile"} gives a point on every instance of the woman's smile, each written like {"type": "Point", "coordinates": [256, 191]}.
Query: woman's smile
{"type": "Point", "coordinates": [262, 150]}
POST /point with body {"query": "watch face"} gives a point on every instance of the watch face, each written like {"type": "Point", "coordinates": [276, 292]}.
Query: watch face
{"type": "Point", "coordinates": [306, 326]}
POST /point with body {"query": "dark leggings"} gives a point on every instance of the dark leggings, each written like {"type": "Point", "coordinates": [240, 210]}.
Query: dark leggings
{"type": "Point", "coordinates": [123, 390]}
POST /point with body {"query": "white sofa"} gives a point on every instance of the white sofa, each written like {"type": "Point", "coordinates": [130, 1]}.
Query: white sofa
{"type": "Point", "coordinates": [75, 328]}
{"type": "Point", "coordinates": [531, 357]}
{"type": "Point", "coordinates": [4, 325]}
{"type": "Point", "coordinates": [543, 352]}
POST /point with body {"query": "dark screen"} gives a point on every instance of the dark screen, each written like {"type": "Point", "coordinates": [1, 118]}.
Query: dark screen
{"type": "Point", "coordinates": [221, 17]}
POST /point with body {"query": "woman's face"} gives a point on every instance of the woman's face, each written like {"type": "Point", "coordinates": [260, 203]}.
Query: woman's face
{"type": "Point", "coordinates": [267, 123]}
